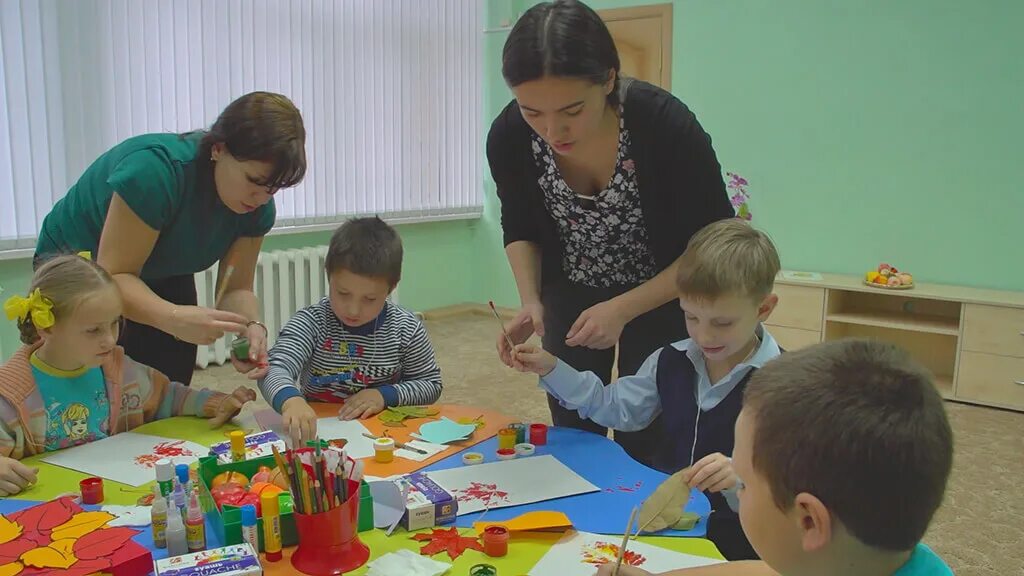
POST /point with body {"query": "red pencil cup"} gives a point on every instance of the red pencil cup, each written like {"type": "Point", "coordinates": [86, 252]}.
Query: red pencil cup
{"type": "Point", "coordinates": [329, 541]}
{"type": "Point", "coordinates": [538, 434]}
{"type": "Point", "coordinates": [92, 490]}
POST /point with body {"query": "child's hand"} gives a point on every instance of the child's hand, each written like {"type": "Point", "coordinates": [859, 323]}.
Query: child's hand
{"type": "Point", "coordinates": [299, 420]}
{"type": "Point", "coordinates": [15, 476]}
{"type": "Point", "coordinates": [231, 405]}
{"type": "Point", "coordinates": [255, 366]}
{"type": "Point", "coordinates": [530, 358]}
{"type": "Point", "coordinates": [624, 570]}
{"type": "Point", "coordinates": [362, 404]}
{"type": "Point", "coordinates": [712, 473]}
{"type": "Point", "coordinates": [529, 321]}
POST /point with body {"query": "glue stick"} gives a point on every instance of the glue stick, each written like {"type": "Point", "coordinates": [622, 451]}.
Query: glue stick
{"type": "Point", "coordinates": [237, 445]}
{"type": "Point", "coordinates": [249, 532]}
{"type": "Point", "coordinates": [271, 526]}
{"type": "Point", "coordinates": [165, 476]}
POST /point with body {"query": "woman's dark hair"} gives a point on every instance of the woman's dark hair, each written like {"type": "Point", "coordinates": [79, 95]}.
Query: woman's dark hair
{"type": "Point", "coordinates": [264, 127]}
{"type": "Point", "coordinates": [561, 38]}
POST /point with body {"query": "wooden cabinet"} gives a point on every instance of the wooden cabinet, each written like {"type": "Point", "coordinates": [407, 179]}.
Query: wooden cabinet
{"type": "Point", "coordinates": [971, 339]}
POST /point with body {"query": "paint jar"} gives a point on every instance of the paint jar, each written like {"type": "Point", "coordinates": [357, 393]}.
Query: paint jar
{"type": "Point", "coordinates": [472, 458]}
{"type": "Point", "coordinates": [384, 450]}
{"type": "Point", "coordinates": [506, 454]}
{"type": "Point", "coordinates": [506, 438]}
{"type": "Point", "coordinates": [483, 570]}
{"type": "Point", "coordinates": [538, 434]}
{"type": "Point", "coordinates": [525, 449]}
{"type": "Point", "coordinates": [520, 432]}
{"type": "Point", "coordinates": [240, 349]}
{"type": "Point", "coordinates": [92, 490]}
{"type": "Point", "coordinates": [496, 541]}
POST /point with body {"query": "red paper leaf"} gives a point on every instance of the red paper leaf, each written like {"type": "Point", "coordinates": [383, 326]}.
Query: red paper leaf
{"type": "Point", "coordinates": [86, 567]}
{"type": "Point", "coordinates": [102, 543]}
{"type": "Point", "coordinates": [447, 541]}
{"type": "Point", "coordinates": [13, 550]}
{"type": "Point", "coordinates": [45, 516]}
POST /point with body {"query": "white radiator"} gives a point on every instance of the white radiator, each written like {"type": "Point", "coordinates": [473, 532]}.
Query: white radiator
{"type": "Point", "coordinates": [286, 281]}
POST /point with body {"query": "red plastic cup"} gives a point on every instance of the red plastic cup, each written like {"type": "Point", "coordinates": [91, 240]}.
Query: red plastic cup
{"type": "Point", "coordinates": [92, 490]}
{"type": "Point", "coordinates": [538, 434]}
{"type": "Point", "coordinates": [496, 541]}
{"type": "Point", "coordinates": [329, 541]}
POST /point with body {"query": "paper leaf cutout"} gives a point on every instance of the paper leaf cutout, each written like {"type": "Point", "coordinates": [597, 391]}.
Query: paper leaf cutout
{"type": "Point", "coordinates": [395, 415]}
{"type": "Point", "coordinates": [81, 524]}
{"type": "Point", "coordinates": [447, 541]}
{"type": "Point", "coordinates": [11, 551]}
{"type": "Point", "coordinates": [11, 569]}
{"type": "Point", "coordinates": [8, 530]}
{"type": "Point", "coordinates": [45, 516]}
{"type": "Point", "coordinates": [687, 521]}
{"type": "Point", "coordinates": [102, 543]}
{"type": "Point", "coordinates": [87, 567]}
{"type": "Point", "coordinates": [57, 555]}
{"type": "Point", "coordinates": [664, 506]}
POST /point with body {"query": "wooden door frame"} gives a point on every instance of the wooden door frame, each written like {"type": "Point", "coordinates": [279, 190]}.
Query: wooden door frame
{"type": "Point", "coordinates": [650, 11]}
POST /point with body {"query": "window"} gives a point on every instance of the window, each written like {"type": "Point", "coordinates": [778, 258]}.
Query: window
{"type": "Point", "coordinates": [390, 92]}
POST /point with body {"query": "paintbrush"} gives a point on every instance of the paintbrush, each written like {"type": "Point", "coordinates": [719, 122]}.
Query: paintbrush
{"type": "Point", "coordinates": [625, 541]}
{"type": "Point", "coordinates": [398, 444]}
{"type": "Point", "coordinates": [511, 346]}
{"type": "Point", "coordinates": [223, 285]}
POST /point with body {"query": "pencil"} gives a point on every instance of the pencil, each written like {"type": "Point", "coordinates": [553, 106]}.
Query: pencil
{"type": "Point", "coordinates": [625, 541]}
{"type": "Point", "coordinates": [223, 285]}
{"type": "Point", "coordinates": [511, 346]}
{"type": "Point", "coordinates": [307, 505]}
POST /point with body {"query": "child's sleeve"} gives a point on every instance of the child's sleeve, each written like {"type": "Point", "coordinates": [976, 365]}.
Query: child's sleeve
{"type": "Point", "coordinates": [421, 383]}
{"type": "Point", "coordinates": [12, 438]}
{"type": "Point", "coordinates": [288, 357]}
{"type": "Point", "coordinates": [162, 398]}
{"type": "Point", "coordinates": [630, 403]}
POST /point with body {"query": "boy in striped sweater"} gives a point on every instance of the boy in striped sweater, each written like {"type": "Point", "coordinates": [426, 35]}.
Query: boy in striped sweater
{"type": "Point", "coordinates": [354, 346]}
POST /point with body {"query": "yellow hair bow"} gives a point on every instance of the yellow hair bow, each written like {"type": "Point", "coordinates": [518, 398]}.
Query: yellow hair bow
{"type": "Point", "coordinates": [86, 254]}
{"type": "Point", "coordinates": [36, 306]}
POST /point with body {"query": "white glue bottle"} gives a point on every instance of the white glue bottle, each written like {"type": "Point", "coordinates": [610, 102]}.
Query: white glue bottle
{"type": "Point", "coordinates": [158, 515]}
{"type": "Point", "coordinates": [177, 541]}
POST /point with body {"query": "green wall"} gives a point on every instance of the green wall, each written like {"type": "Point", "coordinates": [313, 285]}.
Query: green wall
{"type": "Point", "coordinates": [869, 131]}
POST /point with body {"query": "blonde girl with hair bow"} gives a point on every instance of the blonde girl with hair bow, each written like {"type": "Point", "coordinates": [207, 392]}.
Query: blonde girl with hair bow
{"type": "Point", "coordinates": [69, 323]}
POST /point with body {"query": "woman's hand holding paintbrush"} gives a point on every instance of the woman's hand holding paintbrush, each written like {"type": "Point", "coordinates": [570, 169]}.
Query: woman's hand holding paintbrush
{"type": "Point", "coordinates": [529, 321]}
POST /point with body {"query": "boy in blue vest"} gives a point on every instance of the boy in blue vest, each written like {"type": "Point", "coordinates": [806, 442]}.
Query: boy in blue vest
{"type": "Point", "coordinates": [693, 388]}
{"type": "Point", "coordinates": [844, 450]}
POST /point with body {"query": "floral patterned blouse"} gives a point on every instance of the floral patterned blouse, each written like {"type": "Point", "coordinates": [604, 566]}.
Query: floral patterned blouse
{"type": "Point", "coordinates": [604, 237]}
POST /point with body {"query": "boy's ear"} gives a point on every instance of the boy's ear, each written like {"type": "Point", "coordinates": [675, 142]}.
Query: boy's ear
{"type": "Point", "coordinates": [814, 520]}
{"type": "Point", "coordinates": [767, 306]}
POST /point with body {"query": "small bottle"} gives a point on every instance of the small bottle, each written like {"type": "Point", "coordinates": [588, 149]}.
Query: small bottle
{"type": "Point", "coordinates": [158, 514]}
{"type": "Point", "coordinates": [237, 445]}
{"type": "Point", "coordinates": [250, 533]}
{"type": "Point", "coordinates": [165, 476]}
{"type": "Point", "coordinates": [181, 471]}
{"type": "Point", "coordinates": [177, 541]}
{"type": "Point", "coordinates": [195, 525]}
{"type": "Point", "coordinates": [180, 503]}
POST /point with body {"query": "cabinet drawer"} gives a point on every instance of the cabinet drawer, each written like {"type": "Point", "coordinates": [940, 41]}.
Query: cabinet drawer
{"type": "Point", "coordinates": [990, 379]}
{"type": "Point", "coordinates": [994, 330]}
{"type": "Point", "coordinates": [793, 338]}
{"type": "Point", "coordinates": [799, 307]}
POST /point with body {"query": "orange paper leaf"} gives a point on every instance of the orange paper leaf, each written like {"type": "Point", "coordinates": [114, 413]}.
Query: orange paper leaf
{"type": "Point", "coordinates": [57, 555]}
{"type": "Point", "coordinates": [11, 569]}
{"type": "Point", "coordinates": [8, 530]}
{"type": "Point", "coordinates": [102, 543]}
{"type": "Point", "coordinates": [81, 524]}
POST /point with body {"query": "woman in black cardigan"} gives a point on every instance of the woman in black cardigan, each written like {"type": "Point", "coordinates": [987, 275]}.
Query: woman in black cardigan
{"type": "Point", "coordinates": [602, 181]}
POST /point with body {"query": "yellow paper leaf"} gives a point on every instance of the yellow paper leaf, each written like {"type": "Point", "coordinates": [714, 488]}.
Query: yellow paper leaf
{"type": "Point", "coordinates": [47, 557]}
{"type": "Point", "coordinates": [11, 569]}
{"type": "Point", "coordinates": [65, 547]}
{"type": "Point", "coordinates": [8, 530]}
{"type": "Point", "coordinates": [81, 524]}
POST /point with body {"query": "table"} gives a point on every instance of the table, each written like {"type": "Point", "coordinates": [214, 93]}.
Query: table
{"type": "Point", "coordinates": [525, 549]}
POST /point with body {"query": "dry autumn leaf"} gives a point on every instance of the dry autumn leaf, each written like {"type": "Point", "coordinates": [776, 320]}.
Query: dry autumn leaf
{"type": "Point", "coordinates": [664, 507]}
{"type": "Point", "coordinates": [8, 530]}
{"type": "Point", "coordinates": [81, 524]}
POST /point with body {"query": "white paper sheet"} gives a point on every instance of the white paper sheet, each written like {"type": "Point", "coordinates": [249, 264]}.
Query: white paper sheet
{"type": "Point", "coordinates": [128, 458]}
{"type": "Point", "coordinates": [581, 553]}
{"type": "Point", "coordinates": [358, 446]}
{"type": "Point", "coordinates": [510, 483]}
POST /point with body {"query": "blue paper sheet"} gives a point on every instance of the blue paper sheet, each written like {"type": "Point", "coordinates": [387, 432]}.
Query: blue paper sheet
{"type": "Point", "coordinates": [624, 483]}
{"type": "Point", "coordinates": [444, 431]}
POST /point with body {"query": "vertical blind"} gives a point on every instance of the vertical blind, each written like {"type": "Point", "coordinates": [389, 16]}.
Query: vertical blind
{"type": "Point", "coordinates": [390, 92]}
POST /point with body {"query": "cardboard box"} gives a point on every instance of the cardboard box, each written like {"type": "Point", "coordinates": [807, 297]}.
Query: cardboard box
{"type": "Point", "coordinates": [426, 504]}
{"type": "Point", "coordinates": [257, 445]}
{"type": "Point", "coordinates": [235, 560]}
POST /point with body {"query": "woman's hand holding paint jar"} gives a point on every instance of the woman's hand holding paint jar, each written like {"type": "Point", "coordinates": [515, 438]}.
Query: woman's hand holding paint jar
{"type": "Point", "coordinates": [255, 365]}
{"type": "Point", "coordinates": [530, 358]}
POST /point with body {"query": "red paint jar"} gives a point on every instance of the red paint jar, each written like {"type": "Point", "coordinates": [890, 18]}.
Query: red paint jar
{"type": "Point", "coordinates": [92, 490]}
{"type": "Point", "coordinates": [538, 434]}
{"type": "Point", "coordinates": [496, 541]}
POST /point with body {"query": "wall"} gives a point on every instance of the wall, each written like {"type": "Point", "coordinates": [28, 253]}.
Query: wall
{"type": "Point", "coordinates": [869, 131]}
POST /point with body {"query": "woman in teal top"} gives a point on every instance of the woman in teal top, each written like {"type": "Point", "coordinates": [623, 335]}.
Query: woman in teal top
{"type": "Point", "coordinates": [157, 208]}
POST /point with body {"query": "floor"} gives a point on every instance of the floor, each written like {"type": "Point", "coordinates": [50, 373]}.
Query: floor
{"type": "Point", "coordinates": [979, 530]}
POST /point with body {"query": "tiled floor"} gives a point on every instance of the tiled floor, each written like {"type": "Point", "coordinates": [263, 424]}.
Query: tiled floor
{"type": "Point", "coordinates": [979, 530]}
